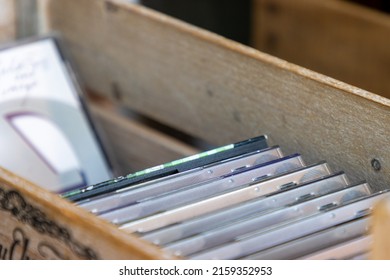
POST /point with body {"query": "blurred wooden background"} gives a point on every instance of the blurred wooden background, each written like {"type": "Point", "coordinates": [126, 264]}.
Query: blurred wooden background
{"type": "Point", "coordinates": [337, 38]}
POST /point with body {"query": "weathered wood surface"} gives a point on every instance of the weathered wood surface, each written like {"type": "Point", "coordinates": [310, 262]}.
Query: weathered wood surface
{"type": "Point", "coordinates": [36, 224]}
{"type": "Point", "coordinates": [220, 90]}
{"type": "Point", "coordinates": [336, 38]}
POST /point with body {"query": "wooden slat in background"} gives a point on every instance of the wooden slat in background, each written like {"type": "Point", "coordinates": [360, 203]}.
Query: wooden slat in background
{"type": "Point", "coordinates": [132, 146]}
{"type": "Point", "coordinates": [336, 38]}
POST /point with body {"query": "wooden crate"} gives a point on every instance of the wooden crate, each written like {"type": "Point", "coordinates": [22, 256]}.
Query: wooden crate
{"type": "Point", "coordinates": [199, 83]}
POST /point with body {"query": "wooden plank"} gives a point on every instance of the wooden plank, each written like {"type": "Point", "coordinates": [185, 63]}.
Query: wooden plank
{"type": "Point", "coordinates": [380, 231]}
{"type": "Point", "coordinates": [337, 38]}
{"type": "Point", "coordinates": [36, 224]}
{"type": "Point", "coordinates": [222, 91]}
{"type": "Point", "coordinates": [7, 20]}
{"type": "Point", "coordinates": [133, 146]}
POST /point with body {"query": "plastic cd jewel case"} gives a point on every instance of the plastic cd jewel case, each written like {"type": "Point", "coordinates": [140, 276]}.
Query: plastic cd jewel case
{"type": "Point", "coordinates": [44, 121]}
{"type": "Point", "coordinates": [129, 195]}
{"type": "Point", "coordinates": [174, 167]}
{"type": "Point", "coordinates": [265, 221]}
{"type": "Point", "coordinates": [201, 191]}
{"type": "Point", "coordinates": [240, 201]}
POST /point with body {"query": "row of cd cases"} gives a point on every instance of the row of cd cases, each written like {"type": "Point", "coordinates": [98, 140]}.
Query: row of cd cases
{"type": "Point", "coordinates": [257, 205]}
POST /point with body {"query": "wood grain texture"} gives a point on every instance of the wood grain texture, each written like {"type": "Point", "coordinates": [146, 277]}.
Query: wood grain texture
{"type": "Point", "coordinates": [133, 146]}
{"type": "Point", "coordinates": [55, 228]}
{"type": "Point", "coordinates": [380, 231]}
{"type": "Point", "coordinates": [337, 38]}
{"type": "Point", "coordinates": [7, 20]}
{"type": "Point", "coordinates": [222, 91]}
